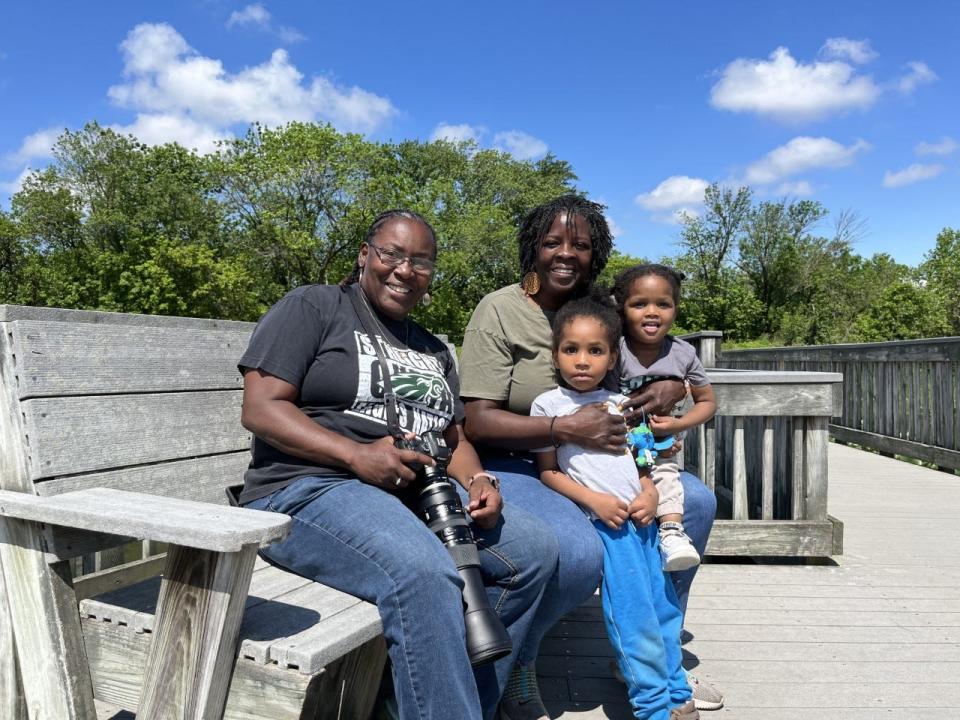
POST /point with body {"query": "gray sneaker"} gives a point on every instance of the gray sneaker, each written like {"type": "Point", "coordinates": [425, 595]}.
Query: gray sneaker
{"type": "Point", "coordinates": [676, 551]}
{"type": "Point", "coordinates": [705, 695]}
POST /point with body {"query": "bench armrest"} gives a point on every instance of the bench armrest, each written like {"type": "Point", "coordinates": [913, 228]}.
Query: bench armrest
{"type": "Point", "coordinates": [188, 523]}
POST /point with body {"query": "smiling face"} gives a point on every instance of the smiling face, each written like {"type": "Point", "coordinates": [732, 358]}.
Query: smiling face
{"type": "Point", "coordinates": [649, 310]}
{"type": "Point", "coordinates": [584, 355]}
{"type": "Point", "coordinates": [395, 291]}
{"type": "Point", "coordinates": [563, 260]}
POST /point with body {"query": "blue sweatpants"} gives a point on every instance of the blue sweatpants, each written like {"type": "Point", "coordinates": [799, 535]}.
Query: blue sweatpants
{"type": "Point", "coordinates": [643, 620]}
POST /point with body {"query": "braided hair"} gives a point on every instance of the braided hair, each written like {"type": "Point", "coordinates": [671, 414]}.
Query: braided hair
{"type": "Point", "coordinates": [536, 224]}
{"type": "Point", "coordinates": [596, 304]}
{"type": "Point", "coordinates": [376, 226]}
{"type": "Point", "coordinates": [621, 286]}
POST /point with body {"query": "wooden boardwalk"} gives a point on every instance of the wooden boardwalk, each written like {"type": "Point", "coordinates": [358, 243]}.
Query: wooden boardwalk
{"type": "Point", "coordinates": [875, 634]}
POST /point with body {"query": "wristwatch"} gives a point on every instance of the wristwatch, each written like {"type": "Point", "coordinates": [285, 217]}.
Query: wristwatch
{"type": "Point", "coordinates": [494, 480]}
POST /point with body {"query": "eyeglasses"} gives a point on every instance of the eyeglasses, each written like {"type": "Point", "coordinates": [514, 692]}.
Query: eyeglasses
{"type": "Point", "coordinates": [393, 259]}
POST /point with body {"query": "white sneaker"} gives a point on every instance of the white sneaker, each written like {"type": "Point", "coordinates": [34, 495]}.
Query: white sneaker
{"type": "Point", "coordinates": [676, 550]}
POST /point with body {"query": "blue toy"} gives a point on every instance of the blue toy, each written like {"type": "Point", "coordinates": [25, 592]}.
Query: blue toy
{"type": "Point", "coordinates": [645, 446]}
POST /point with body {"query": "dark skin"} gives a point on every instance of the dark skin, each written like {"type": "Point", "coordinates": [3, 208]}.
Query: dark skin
{"type": "Point", "coordinates": [562, 264]}
{"type": "Point", "coordinates": [270, 404]}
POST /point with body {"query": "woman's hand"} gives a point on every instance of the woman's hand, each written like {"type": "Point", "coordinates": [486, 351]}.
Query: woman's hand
{"type": "Point", "coordinates": [655, 398]}
{"type": "Point", "coordinates": [383, 464]}
{"type": "Point", "coordinates": [593, 426]}
{"type": "Point", "coordinates": [610, 509]}
{"type": "Point", "coordinates": [643, 508]}
{"type": "Point", "coordinates": [485, 502]}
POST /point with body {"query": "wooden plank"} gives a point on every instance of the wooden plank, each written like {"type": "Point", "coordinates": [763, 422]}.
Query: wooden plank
{"type": "Point", "coordinates": [194, 641]}
{"type": "Point", "coordinates": [118, 577]}
{"type": "Point", "coordinates": [768, 399]}
{"type": "Point", "coordinates": [945, 349]}
{"type": "Point", "coordinates": [84, 434]}
{"type": "Point", "coordinates": [12, 703]}
{"type": "Point", "coordinates": [815, 466]}
{"type": "Point", "coordinates": [797, 538]}
{"type": "Point", "coordinates": [740, 505]}
{"type": "Point", "coordinates": [67, 358]}
{"type": "Point", "coordinates": [63, 543]}
{"type": "Point", "coordinates": [11, 313]}
{"type": "Point", "coordinates": [197, 525]}
{"type": "Point", "coordinates": [43, 613]}
{"type": "Point", "coordinates": [797, 474]}
{"type": "Point", "coordinates": [938, 456]}
{"type": "Point", "coordinates": [208, 478]}
{"type": "Point", "coordinates": [709, 468]}
{"type": "Point", "coordinates": [767, 470]}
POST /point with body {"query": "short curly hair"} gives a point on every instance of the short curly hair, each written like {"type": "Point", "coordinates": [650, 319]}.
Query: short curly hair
{"type": "Point", "coordinates": [621, 285]}
{"type": "Point", "coordinates": [536, 224]}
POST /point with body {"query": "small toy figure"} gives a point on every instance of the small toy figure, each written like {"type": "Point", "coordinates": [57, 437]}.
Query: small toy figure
{"type": "Point", "coordinates": [645, 446]}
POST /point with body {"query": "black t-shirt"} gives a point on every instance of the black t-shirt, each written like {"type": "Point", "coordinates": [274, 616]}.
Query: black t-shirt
{"type": "Point", "coordinates": [313, 339]}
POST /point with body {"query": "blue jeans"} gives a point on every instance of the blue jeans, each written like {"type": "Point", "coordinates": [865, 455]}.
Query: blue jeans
{"type": "Point", "coordinates": [643, 620]}
{"type": "Point", "coordinates": [362, 540]}
{"type": "Point", "coordinates": [580, 564]}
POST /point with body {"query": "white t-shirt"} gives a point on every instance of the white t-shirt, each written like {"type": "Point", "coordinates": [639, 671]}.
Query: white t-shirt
{"type": "Point", "coordinates": [614, 474]}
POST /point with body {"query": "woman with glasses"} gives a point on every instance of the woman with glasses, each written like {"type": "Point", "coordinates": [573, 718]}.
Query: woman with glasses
{"type": "Point", "coordinates": [314, 399]}
{"type": "Point", "coordinates": [506, 362]}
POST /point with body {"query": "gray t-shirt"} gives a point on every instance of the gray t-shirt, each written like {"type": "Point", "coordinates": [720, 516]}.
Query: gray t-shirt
{"type": "Point", "coordinates": [611, 473]}
{"type": "Point", "coordinates": [313, 339]}
{"type": "Point", "coordinates": [678, 358]}
{"type": "Point", "coordinates": [507, 354]}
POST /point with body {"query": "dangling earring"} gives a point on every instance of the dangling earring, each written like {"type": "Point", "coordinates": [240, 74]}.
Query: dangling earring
{"type": "Point", "coordinates": [426, 300]}
{"type": "Point", "coordinates": [530, 283]}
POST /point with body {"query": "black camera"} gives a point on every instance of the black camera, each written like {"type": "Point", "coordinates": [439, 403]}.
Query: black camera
{"type": "Point", "coordinates": [433, 497]}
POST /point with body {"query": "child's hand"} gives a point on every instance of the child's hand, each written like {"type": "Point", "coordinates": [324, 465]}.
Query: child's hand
{"type": "Point", "coordinates": [662, 425]}
{"type": "Point", "coordinates": [643, 509]}
{"type": "Point", "coordinates": [610, 509]}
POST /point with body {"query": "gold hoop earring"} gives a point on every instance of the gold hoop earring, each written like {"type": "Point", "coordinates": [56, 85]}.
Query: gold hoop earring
{"type": "Point", "coordinates": [426, 300]}
{"type": "Point", "coordinates": [530, 283]}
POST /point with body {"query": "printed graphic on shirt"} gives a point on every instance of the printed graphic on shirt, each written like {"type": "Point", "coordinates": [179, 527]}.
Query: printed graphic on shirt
{"type": "Point", "coordinates": [425, 400]}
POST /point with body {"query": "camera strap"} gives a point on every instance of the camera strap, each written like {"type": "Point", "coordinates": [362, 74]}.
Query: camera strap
{"type": "Point", "coordinates": [365, 315]}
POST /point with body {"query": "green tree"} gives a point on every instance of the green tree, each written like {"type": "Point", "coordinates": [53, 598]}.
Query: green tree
{"type": "Point", "coordinates": [941, 271]}
{"type": "Point", "coordinates": [904, 311]}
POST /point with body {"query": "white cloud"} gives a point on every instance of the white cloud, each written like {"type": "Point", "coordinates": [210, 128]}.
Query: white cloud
{"type": "Point", "coordinates": [255, 14]}
{"type": "Point", "coordinates": [945, 147]}
{"type": "Point", "coordinates": [457, 133]}
{"type": "Point", "coordinates": [519, 144]}
{"type": "Point", "coordinates": [841, 48]}
{"type": "Point", "coordinates": [799, 155]}
{"type": "Point", "coordinates": [290, 35]}
{"type": "Point", "coordinates": [13, 186]}
{"type": "Point", "coordinates": [615, 229]}
{"type": "Point", "coordinates": [677, 191]}
{"type": "Point", "coordinates": [159, 128]}
{"type": "Point", "coordinates": [34, 146]}
{"type": "Point", "coordinates": [919, 74]}
{"type": "Point", "coordinates": [911, 174]}
{"type": "Point", "coordinates": [787, 90]}
{"type": "Point", "coordinates": [800, 188]}
{"type": "Point", "coordinates": [165, 78]}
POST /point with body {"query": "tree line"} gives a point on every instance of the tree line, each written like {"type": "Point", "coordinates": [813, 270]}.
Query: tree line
{"type": "Point", "coordinates": [114, 224]}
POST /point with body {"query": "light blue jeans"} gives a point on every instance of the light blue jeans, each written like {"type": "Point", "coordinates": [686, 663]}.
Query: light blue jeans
{"type": "Point", "coordinates": [643, 620]}
{"type": "Point", "coordinates": [580, 564]}
{"type": "Point", "coordinates": [362, 540]}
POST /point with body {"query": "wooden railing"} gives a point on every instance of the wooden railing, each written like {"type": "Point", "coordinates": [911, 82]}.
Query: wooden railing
{"type": "Point", "coordinates": [899, 397]}
{"type": "Point", "coordinates": [765, 457]}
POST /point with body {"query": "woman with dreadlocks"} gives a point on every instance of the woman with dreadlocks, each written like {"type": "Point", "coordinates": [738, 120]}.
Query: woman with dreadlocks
{"type": "Point", "coordinates": [506, 362]}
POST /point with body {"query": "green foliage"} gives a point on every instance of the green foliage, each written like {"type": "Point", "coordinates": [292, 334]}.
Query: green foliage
{"type": "Point", "coordinates": [903, 311]}
{"type": "Point", "coordinates": [941, 271]}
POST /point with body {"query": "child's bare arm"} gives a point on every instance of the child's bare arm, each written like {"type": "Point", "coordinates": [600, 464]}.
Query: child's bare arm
{"type": "Point", "coordinates": [704, 408]}
{"type": "Point", "coordinates": [611, 510]}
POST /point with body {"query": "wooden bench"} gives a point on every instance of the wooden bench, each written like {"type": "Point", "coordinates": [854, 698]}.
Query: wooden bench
{"type": "Point", "coordinates": [118, 427]}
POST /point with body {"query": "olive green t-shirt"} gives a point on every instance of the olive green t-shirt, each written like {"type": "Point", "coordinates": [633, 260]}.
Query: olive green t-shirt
{"type": "Point", "coordinates": [507, 351]}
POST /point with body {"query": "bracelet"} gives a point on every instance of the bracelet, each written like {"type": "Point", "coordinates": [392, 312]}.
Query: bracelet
{"type": "Point", "coordinates": [492, 479]}
{"type": "Point", "coordinates": [553, 440]}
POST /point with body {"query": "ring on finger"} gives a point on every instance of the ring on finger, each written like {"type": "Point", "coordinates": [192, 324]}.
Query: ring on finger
{"type": "Point", "coordinates": [398, 481]}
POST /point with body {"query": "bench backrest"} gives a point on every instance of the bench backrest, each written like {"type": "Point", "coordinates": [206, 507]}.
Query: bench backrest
{"type": "Point", "coordinates": [133, 402]}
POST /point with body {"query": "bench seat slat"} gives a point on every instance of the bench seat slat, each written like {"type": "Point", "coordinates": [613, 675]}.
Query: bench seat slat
{"type": "Point", "coordinates": [182, 522]}
{"type": "Point", "coordinates": [83, 434]}
{"type": "Point", "coordinates": [64, 358]}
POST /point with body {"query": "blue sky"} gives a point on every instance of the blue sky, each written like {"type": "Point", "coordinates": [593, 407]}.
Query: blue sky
{"type": "Point", "coordinates": [854, 104]}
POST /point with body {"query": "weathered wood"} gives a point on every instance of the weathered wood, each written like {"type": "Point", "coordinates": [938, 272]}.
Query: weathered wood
{"type": "Point", "coordinates": [815, 466]}
{"type": "Point", "coordinates": [11, 313]}
{"type": "Point", "coordinates": [194, 641]}
{"type": "Point", "coordinates": [797, 473]}
{"type": "Point", "coordinates": [63, 543]}
{"type": "Point", "coordinates": [892, 445]}
{"type": "Point", "coordinates": [118, 577]}
{"type": "Point", "coordinates": [198, 525]}
{"type": "Point", "coordinates": [68, 358]}
{"type": "Point", "coordinates": [781, 538]}
{"type": "Point", "coordinates": [760, 399]}
{"type": "Point", "coordinates": [46, 626]}
{"type": "Point", "coordinates": [740, 501]}
{"type": "Point", "coordinates": [12, 704]}
{"type": "Point", "coordinates": [119, 430]}
{"type": "Point", "coordinates": [767, 471]}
